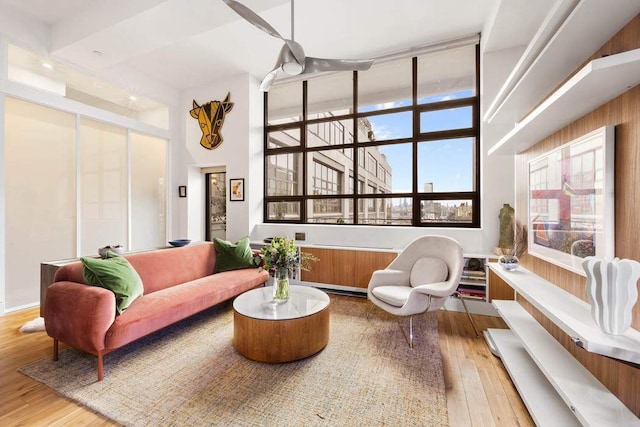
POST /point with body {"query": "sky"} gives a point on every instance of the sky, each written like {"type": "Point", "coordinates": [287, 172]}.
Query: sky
{"type": "Point", "coordinates": [448, 164]}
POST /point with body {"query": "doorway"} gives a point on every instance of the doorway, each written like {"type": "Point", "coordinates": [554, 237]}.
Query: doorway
{"type": "Point", "coordinates": [216, 206]}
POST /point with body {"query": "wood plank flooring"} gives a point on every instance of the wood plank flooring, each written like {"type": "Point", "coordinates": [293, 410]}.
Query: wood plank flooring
{"type": "Point", "coordinates": [479, 391]}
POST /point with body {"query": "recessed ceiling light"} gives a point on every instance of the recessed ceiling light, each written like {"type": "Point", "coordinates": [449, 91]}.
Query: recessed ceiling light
{"type": "Point", "coordinates": [97, 53]}
{"type": "Point", "coordinates": [132, 98]}
{"type": "Point", "coordinates": [47, 65]}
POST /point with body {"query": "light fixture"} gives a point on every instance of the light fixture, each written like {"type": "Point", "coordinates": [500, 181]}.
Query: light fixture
{"type": "Point", "coordinates": [47, 65]}
{"type": "Point", "coordinates": [132, 98]}
{"type": "Point", "coordinates": [292, 68]}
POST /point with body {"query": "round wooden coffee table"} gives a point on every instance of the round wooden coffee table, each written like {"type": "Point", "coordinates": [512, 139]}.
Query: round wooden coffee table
{"type": "Point", "coordinates": [280, 332]}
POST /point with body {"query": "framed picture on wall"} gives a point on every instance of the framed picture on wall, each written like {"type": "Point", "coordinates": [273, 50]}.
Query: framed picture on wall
{"type": "Point", "coordinates": [571, 201]}
{"type": "Point", "coordinates": [236, 189]}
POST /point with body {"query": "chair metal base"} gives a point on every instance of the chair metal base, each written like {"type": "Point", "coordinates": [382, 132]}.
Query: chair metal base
{"type": "Point", "coordinates": [411, 331]}
{"type": "Point", "coordinates": [464, 304]}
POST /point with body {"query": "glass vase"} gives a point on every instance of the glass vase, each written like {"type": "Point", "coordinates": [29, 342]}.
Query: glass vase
{"type": "Point", "coordinates": [281, 285]}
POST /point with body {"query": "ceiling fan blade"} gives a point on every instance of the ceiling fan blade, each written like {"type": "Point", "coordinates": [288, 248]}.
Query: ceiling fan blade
{"type": "Point", "coordinates": [269, 79]}
{"type": "Point", "coordinates": [253, 18]}
{"type": "Point", "coordinates": [316, 65]}
{"type": "Point", "coordinates": [296, 50]}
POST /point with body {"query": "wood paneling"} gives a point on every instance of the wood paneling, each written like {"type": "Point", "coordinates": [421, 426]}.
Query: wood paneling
{"type": "Point", "coordinates": [345, 267]}
{"type": "Point", "coordinates": [499, 289]}
{"type": "Point", "coordinates": [368, 262]}
{"type": "Point", "coordinates": [277, 341]}
{"type": "Point", "coordinates": [624, 113]}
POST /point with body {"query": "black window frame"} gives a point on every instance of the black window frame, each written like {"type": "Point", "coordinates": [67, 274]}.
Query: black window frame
{"type": "Point", "coordinates": [357, 147]}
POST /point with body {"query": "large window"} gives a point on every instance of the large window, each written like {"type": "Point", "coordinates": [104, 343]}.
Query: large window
{"type": "Point", "coordinates": [394, 145]}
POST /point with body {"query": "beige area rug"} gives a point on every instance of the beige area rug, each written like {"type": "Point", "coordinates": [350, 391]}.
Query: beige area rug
{"type": "Point", "coordinates": [190, 375]}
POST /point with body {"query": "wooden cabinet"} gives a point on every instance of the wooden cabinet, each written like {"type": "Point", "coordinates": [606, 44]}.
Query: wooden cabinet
{"type": "Point", "coordinates": [345, 267]}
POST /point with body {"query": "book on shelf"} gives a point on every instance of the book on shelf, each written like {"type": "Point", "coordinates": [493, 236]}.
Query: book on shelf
{"type": "Point", "coordinates": [473, 279]}
{"type": "Point", "coordinates": [479, 292]}
{"type": "Point", "coordinates": [474, 273]}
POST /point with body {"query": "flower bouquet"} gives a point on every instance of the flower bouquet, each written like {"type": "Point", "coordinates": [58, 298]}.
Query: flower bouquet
{"type": "Point", "coordinates": [282, 257]}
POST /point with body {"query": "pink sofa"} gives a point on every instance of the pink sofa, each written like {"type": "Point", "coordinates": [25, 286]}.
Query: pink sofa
{"type": "Point", "coordinates": [178, 283]}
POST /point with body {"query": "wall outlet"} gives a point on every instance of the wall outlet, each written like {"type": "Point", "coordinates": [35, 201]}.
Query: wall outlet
{"type": "Point", "coordinates": [301, 236]}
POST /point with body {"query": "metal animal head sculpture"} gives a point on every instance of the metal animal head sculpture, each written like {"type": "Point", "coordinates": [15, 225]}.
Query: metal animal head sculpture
{"type": "Point", "coordinates": [210, 116]}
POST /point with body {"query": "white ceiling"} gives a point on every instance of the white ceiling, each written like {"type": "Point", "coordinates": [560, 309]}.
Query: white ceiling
{"type": "Point", "coordinates": [172, 45]}
{"type": "Point", "coordinates": [191, 43]}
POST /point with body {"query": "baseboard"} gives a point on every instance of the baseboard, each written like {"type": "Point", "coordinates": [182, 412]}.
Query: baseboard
{"type": "Point", "coordinates": [334, 289]}
{"type": "Point", "coordinates": [18, 308]}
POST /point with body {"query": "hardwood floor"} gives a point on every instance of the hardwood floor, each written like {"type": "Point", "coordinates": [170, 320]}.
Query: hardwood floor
{"type": "Point", "coordinates": [479, 391]}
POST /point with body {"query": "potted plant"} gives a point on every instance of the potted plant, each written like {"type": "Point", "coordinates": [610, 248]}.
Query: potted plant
{"type": "Point", "coordinates": [282, 257]}
{"type": "Point", "coordinates": [509, 256]}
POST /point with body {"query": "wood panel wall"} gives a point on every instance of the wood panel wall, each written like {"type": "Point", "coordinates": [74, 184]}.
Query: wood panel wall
{"type": "Point", "coordinates": [624, 113]}
{"type": "Point", "coordinates": [499, 289]}
{"type": "Point", "coordinates": [345, 267]}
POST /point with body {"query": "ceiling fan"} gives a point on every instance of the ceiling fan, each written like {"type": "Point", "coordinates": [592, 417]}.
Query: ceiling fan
{"type": "Point", "coordinates": [291, 58]}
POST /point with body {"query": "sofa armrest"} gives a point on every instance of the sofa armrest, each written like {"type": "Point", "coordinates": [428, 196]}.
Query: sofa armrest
{"type": "Point", "coordinates": [389, 278]}
{"type": "Point", "coordinates": [79, 315]}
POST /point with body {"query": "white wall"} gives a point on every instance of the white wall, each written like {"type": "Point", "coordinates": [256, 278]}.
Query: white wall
{"type": "Point", "coordinates": [22, 31]}
{"type": "Point", "coordinates": [240, 152]}
{"type": "Point", "coordinates": [3, 237]}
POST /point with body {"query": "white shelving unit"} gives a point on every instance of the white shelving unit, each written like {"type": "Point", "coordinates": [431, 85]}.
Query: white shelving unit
{"type": "Point", "coordinates": [546, 362]}
{"type": "Point", "coordinates": [473, 283]}
{"type": "Point", "coordinates": [596, 83]}
{"type": "Point", "coordinates": [474, 287]}
{"type": "Point", "coordinates": [571, 314]}
{"type": "Point", "coordinates": [545, 405]}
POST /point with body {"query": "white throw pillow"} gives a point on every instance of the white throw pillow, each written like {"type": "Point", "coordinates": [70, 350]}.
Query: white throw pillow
{"type": "Point", "coordinates": [428, 270]}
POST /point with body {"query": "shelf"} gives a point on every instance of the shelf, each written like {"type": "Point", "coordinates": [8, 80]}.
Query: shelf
{"type": "Point", "coordinates": [571, 314]}
{"type": "Point", "coordinates": [592, 403]}
{"type": "Point", "coordinates": [554, 52]}
{"type": "Point", "coordinates": [596, 83]}
{"type": "Point", "coordinates": [545, 405]}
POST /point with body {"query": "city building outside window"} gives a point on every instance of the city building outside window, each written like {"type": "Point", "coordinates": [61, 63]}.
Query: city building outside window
{"type": "Point", "coordinates": [399, 141]}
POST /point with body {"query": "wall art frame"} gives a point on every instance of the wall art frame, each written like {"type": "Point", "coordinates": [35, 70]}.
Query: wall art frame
{"type": "Point", "coordinates": [571, 206]}
{"type": "Point", "coordinates": [236, 189]}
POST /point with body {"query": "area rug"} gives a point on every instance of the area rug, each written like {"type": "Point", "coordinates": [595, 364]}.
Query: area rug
{"type": "Point", "coordinates": [190, 375]}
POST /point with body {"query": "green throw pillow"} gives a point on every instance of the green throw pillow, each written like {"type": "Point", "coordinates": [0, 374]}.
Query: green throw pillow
{"type": "Point", "coordinates": [116, 274]}
{"type": "Point", "coordinates": [233, 256]}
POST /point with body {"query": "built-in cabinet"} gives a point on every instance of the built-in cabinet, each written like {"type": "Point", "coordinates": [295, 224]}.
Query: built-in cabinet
{"type": "Point", "coordinates": [350, 269]}
{"type": "Point", "coordinates": [474, 283]}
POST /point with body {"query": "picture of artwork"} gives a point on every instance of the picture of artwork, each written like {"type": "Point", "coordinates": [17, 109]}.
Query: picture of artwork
{"type": "Point", "coordinates": [571, 205]}
{"type": "Point", "coordinates": [237, 190]}
{"type": "Point", "coordinates": [210, 117]}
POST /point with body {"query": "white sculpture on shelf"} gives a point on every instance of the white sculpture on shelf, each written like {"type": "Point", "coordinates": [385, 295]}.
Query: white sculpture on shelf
{"type": "Point", "coordinates": [612, 288]}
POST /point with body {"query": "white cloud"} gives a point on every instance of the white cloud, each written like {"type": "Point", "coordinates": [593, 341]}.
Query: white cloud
{"type": "Point", "coordinates": [386, 105]}
{"type": "Point", "coordinates": [381, 132]}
